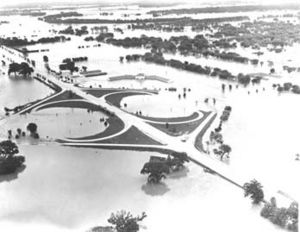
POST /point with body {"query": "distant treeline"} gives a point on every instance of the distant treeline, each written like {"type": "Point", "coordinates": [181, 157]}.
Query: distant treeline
{"type": "Point", "coordinates": [54, 17]}
{"type": "Point", "coordinates": [16, 42]}
{"type": "Point", "coordinates": [178, 25]}
{"type": "Point", "coordinates": [191, 67]}
{"type": "Point", "coordinates": [223, 9]}
{"type": "Point", "coordinates": [185, 45]}
{"type": "Point", "coordinates": [4, 22]}
{"type": "Point", "coordinates": [186, 21]}
{"type": "Point", "coordinates": [22, 12]}
{"type": "Point", "coordinates": [33, 13]}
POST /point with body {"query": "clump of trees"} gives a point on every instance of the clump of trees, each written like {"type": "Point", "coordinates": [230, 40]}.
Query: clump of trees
{"type": "Point", "coordinates": [89, 38]}
{"type": "Point", "coordinates": [102, 37]}
{"type": "Point", "coordinates": [69, 64]}
{"type": "Point", "coordinates": [157, 58]}
{"type": "Point", "coordinates": [125, 222]}
{"type": "Point", "coordinates": [77, 31]}
{"type": "Point", "coordinates": [133, 57]}
{"type": "Point", "coordinates": [158, 167]}
{"type": "Point", "coordinates": [290, 69]}
{"type": "Point", "coordinates": [75, 59]}
{"type": "Point", "coordinates": [21, 69]}
{"type": "Point", "coordinates": [18, 135]}
{"type": "Point", "coordinates": [229, 56]}
{"type": "Point", "coordinates": [254, 190]}
{"type": "Point", "coordinates": [216, 137]}
{"type": "Point", "coordinates": [156, 171]}
{"type": "Point", "coordinates": [223, 150]}
{"type": "Point", "coordinates": [182, 44]}
{"type": "Point", "coordinates": [52, 39]}
{"type": "Point", "coordinates": [17, 42]}
{"type": "Point", "coordinates": [9, 161]}
{"type": "Point", "coordinates": [286, 218]}
{"type": "Point", "coordinates": [259, 33]}
{"type": "Point", "coordinates": [68, 31]}
{"type": "Point", "coordinates": [243, 79]}
{"type": "Point", "coordinates": [288, 87]}
{"type": "Point", "coordinates": [158, 27]}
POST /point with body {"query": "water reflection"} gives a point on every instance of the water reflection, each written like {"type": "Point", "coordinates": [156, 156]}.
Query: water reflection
{"type": "Point", "coordinates": [13, 176]}
{"type": "Point", "coordinates": [179, 174]}
{"type": "Point", "coordinates": [158, 189]}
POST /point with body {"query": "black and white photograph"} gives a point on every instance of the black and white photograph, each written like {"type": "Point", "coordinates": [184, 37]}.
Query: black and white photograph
{"type": "Point", "coordinates": [149, 115]}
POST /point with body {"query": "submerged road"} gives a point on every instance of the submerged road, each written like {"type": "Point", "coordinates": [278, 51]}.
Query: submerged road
{"type": "Point", "coordinates": [170, 142]}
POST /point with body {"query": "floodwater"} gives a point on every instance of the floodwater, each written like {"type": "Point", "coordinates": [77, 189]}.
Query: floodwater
{"type": "Point", "coordinates": [15, 92]}
{"type": "Point", "coordinates": [86, 185]}
{"type": "Point", "coordinates": [55, 123]}
{"type": "Point", "coordinates": [71, 189]}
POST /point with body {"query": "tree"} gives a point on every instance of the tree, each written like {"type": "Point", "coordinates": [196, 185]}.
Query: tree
{"type": "Point", "coordinates": [45, 59]}
{"type": "Point", "coordinates": [156, 171]}
{"type": "Point", "coordinates": [279, 217]}
{"type": "Point", "coordinates": [158, 167]}
{"type": "Point", "coordinates": [84, 68]}
{"type": "Point", "coordinates": [9, 162]}
{"type": "Point", "coordinates": [254, 190]}
{"type": "Point", "coordinates": [32, 128]}
{"type": "Point", "coordinates": [216, 137]}
{"type": "Point", "coordinates": [293, 210]}
{"type": "Point", "coordinates": [8, 149]}
{"type": "Point", "coordinates": [9, 134]}
{"type": "Point", "coordinates": [23, 69]}
{"type": "Point", "coordinates": [125, 222]}
{"type": "Point", "coordinates": [223, 87]}
{"type": "Point", "coordinates": [225, 149]}
{"type": "Point", "coordinates": [19, 131]}
{"type": "Point", "coordinates": [268, 210]}
{"type": "Point", "coordinates": [13, 68]}
{"type": "Point", "coordinates": [243, 79]}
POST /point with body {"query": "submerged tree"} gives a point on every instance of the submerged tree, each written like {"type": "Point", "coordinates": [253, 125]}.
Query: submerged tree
{"type": "Point", "coordinates": [254, 190]}
{"type": "Point", "coordinates": [284, 217]}
{"type": "Point", "coordinates": [125, 222]}
{"type": "Point", "coordinates": [25, 69]}
{"type": "Point", "coordinates": [13, 68]}
{"type": "Point", "coordinates": [32, 128]}
{"type": "Point", "coordinates": [22, 69]}
{"type": "Point", "coordinates": [224, 150]}
{"type": "Point", "coordinates": [9, 162]}
{"type": "Point", "coordinates": [156, 171]}
{"type": "Point", "coordinates": [45, 59]}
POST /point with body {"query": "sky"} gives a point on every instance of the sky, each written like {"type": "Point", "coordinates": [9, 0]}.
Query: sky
{"type": "Point", "coordinates": [22, 2]}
